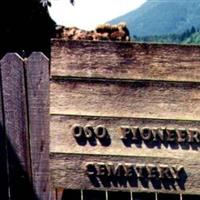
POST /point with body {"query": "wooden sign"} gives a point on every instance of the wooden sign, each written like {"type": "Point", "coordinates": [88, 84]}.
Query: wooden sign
{"type": "Point", "coordinates": [125, 116]}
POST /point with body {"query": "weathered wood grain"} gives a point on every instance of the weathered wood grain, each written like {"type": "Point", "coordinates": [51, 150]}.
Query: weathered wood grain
{"type": "Point", "coordinates": [16, 126]}
{"type": "Point", "coordinates": [63, 141]}
{"type": "Point", "coordinates": [122, 84]}
{"type": "Point", "coordinates": [164, 100]}
{"type": "Point", "coordinates": [68, 158]}
{"type": "Point", "coordinates": [125, 60]}
{"type": "Point", "coordinates": [37, 79]}
{"type": "Point", "coordinates": [3, 154]}
{"type": "Point", "coordinates": [69, 171]}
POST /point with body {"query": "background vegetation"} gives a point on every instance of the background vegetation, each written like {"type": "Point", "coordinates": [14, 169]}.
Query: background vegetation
{"type": "Point", "coordinates": [190, 36]}
{"type": "Point", "coordinates": [162, 17]}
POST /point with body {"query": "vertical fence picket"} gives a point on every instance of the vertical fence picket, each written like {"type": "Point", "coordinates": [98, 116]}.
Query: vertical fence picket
{"type": "Point", "coordinates": [37, 79]}
{"type": "Point", "coordinates": [15, 119]}
{"type": "Point", "coordinates": [3, 161]}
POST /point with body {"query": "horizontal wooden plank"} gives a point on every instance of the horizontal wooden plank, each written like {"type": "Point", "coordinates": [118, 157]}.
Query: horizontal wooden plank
{"type": "Point", "coordinates": [150, 99]}
{"type": "Point", "coordinates": [114, 85]}
{"type": "Point", "coordinates": [125, 60]}
{"type": "Point", "coordinates": [69, 159]}
{"type": "Point", "coordinates": [116, 143]}
{"type": "Point", "coordinates": [76, 172]}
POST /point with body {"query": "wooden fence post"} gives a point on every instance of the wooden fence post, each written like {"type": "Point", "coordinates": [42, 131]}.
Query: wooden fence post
{"type": "Point", "coordinates": [3, 161]}
{"type": "Point", "coordinates": [16, 127]}
{"type": "Point", "coordinates": [24, 127]}
{"type": "Point", "coordinates": [37, 79]}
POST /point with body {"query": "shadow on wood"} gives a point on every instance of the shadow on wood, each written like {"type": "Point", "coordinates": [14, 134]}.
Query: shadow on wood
{"type": "Point", "coordinates": [24, 127]}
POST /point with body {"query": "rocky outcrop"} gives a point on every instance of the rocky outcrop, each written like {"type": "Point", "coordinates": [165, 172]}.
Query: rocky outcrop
{"type": "Point", "coordinates": [117, 32]}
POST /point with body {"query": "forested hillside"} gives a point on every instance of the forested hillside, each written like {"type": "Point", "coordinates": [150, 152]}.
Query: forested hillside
{"type": "Point", "coordinates": [161, 17]}
{"type": "Point", "coordinates": [190, 36]}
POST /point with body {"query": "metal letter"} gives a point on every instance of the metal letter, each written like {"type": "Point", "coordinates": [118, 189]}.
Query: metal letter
{"type": "Point", "coordinates": [171, 135]}
{"type": "Point", "coordinates": [152, 171]}
{"type": "Point", "coordinates": [194, 136]}
{"type": "Point", "coordinates": [126, 132]}
{"type": "Point", "coordinates": [101, 132]}
{"type": "Point", "coordinates": [91, 169]}
{"type": "Point", "coordinates": [158, 134]}
{"type": "Point", "coordinates": [182, 135]}
{"type": "Point", "coordinates": [89, 131]}
{"type": "Point", "coordinates": [145, 134]}
{"type": "Point", "coordinates": [165, 172]}
{"type": "Point", "coordinates": [77, 131]}
{"type": "Point", "coordinates": [102, 169]}
{"type": "Point", "coordinates": [177, 171]}
{"type": "Point", "coordinates": [141, 170]}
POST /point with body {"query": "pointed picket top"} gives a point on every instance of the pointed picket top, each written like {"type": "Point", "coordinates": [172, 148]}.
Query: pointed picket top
{"type": "Point", "coordinates": [37, 56]}
{"type": "Point", "coordinates": [12, 65]}
{"type": "Point", "coordinates": [12, 57]}
{"type": "Point", "coordinates": [40, 63]}
{"type": "Point", "coordinates": [16, 124]}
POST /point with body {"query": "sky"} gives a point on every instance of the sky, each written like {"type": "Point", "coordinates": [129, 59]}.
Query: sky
{"type": "Point", "coordinates": [87, 14]}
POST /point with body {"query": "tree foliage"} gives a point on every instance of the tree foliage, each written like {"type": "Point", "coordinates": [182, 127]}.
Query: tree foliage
{"type": "Point", "coordinates": [188, 36]}
{"type": "Point", "coordinates": [25, 26]}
